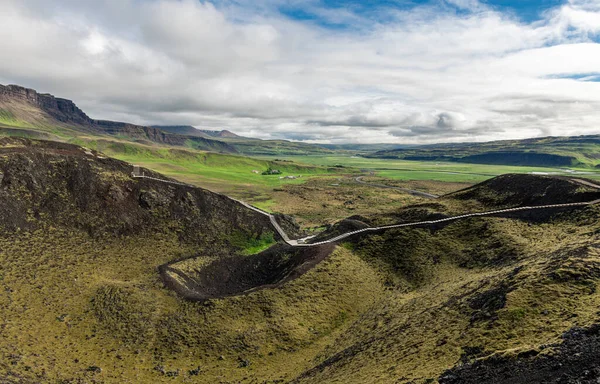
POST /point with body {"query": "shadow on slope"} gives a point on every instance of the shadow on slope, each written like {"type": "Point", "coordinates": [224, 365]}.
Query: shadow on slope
{"type": "Point", "coordinates": [241, 275]}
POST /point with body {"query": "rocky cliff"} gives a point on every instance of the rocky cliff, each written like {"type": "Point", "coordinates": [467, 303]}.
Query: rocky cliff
{"type": "Point", "coordinates": [65, 111]}
{"type": "Point", "coordinates": [61, 109]}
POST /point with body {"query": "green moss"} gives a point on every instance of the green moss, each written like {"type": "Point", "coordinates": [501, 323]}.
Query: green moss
{"type": "Point", "coordinates": [252, 244]}
{"type": "Point", "coordinates": [8, 118]}
{"type": "Point", "coordinates": [124, 314]}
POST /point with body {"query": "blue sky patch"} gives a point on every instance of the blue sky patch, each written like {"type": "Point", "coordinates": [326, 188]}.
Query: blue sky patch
{"type": "Point", "coordinates": [592, 77]}
{"type": "Point", "coordinates": [524, 10]}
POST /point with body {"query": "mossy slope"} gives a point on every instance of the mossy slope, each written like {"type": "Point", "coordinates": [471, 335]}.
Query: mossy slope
{"type": "Point", "coordinates": [82, 300]}
{"type": "Point", "coordinates": [474, 289]}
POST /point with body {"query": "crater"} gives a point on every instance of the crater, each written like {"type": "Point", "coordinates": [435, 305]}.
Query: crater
{"type": "Point", "coordinates": [239, 275]}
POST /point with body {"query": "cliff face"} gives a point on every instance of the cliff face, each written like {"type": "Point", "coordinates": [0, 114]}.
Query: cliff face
{"type": "Point", "coordinates": [66, 111]}
{"type": "Point", "coordinates": [62, 110]}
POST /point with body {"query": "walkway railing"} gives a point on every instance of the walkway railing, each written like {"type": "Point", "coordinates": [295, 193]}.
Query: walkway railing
{"type": "Point", "coordinates": [296, 243]}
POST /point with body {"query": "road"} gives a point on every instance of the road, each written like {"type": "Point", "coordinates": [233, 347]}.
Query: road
{"type": "Point", "coordinates": [411, 191]}
{"type": "Point", "coordinates": [301, 242]}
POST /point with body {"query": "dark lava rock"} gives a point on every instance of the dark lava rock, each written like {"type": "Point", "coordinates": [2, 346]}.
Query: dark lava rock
{"type": "Point", "coordinates": [344, 226]}
{"type": "Point", "coordinates": [522, 190]}
{"type": "Point", "coordinates": [230, 276]}
{"type": "Point", "coordinates": [575, 361]}
{"type": "Point", "coordinates": [152, 200]}
{"type": "Point", "coordinates": [64, 183]}
{"type": "Point", "coordinates": [487, 303]}
{"type": "Point", "coordinates": [243, 363]}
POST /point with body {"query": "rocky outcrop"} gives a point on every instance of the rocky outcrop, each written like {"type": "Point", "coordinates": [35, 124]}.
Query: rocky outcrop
{"type": "Point", "coordinates": [575, 360]}
{"type": "Point", "coordinates": [62, 110]}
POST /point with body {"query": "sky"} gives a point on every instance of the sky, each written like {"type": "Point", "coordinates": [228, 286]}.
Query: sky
{"type": "Point", "coordinates": [324, 71]}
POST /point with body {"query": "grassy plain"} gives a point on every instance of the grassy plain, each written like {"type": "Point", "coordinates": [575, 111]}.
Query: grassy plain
{"type": "Point", "coordinates": [569, 151]}
{"type": "Point", "coordinates": [324, 190]}
{"type": "Point", "coordinates": [430, 170]}
{"type": "Point", "coordinates": [234, 175]}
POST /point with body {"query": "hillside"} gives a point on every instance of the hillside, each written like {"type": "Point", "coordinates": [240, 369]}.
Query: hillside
{"type": "Point", "coordinates": [192, 131]}
{"type": "Point", "coordinates": [582, 151]}
{"type": "Point", "coordinates": [26, 108]}
{"type": "Point", "coordinates": [26, 113]}
{"type": "Point", "coordinates": [505, 299]}
{"type": "Point", "coordinates": [364, 148]}
{"type": "Point", "coordinates": [513, 190]}
{"type": "Point", "coordinates": [251, 146]}
{"type": "Point", "coordinates": [80, 246]}
{"type": "Point", "coordinates": [95, 265]}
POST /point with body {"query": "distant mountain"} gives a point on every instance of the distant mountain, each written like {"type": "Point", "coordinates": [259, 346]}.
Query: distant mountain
{"type": "Point", "coordinates": [28, 113]}
{"type": "Point", "coordinates": [545, 151]}
{"type": "Point", "coordinates": [365, 147]}
{"type": "Point", "coordinates": [193, 131]}
{"type": "Point", "coordinates": [23, 107]}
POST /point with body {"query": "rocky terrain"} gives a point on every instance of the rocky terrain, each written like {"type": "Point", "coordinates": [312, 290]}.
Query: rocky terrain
{"type": "Point", "coordinates": [109, 279]}
{"type": "Point", "coordinates": [504, 300]}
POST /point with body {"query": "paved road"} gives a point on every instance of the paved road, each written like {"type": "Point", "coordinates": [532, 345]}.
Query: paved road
{"type": "Point", "coordinates": [411, 191]}
{"type": "Point", "coordinates": [301, 242]}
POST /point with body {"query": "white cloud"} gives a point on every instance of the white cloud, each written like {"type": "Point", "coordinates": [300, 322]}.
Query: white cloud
{"type": "Point", "coordinates": [422, 75]}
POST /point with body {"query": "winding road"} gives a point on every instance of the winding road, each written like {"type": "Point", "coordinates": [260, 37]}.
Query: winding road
{"type": "Point", "coordinates": [302, 242]}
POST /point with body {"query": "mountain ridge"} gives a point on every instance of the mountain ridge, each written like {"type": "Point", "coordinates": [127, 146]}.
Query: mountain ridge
{"type": "Point", "coordinates": [190, 130]}
{"type": "Point", "coordinates": [65, 113]}
{"type": "Point", "coordinates": [39, 114]}
{"type": "Point", "coordinates": [557, 151]}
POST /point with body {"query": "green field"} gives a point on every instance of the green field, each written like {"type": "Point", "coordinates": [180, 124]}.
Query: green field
{"type": "Point", "coordinates": [233, 175]}
{"type": "Point", "coordinates": [430, 170]}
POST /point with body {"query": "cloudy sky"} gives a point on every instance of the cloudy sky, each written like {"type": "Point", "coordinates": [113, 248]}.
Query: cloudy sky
{"type": "Point", "coordinates": [401, 71]}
